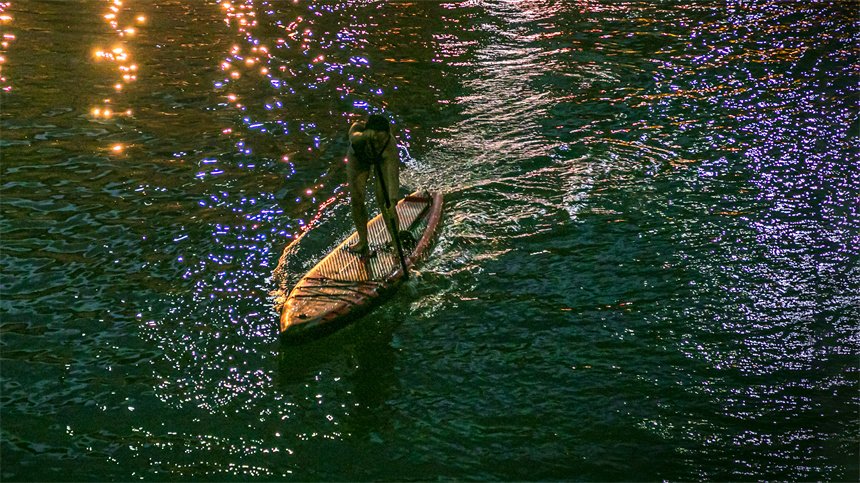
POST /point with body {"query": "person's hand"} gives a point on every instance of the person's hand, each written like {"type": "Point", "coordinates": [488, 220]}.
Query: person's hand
{"type": "Point", "coordinates": [362, 147]}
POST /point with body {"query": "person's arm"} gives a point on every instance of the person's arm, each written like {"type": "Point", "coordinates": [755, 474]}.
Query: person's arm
{"type": "Point", "coordinates": [356, 131]}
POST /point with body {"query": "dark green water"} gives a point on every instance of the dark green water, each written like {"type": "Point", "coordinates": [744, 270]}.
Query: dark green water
{"type": "Point", "coordinates": [648, 268]}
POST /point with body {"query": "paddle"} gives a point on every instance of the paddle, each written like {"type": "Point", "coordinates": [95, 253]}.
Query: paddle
{"type": "Point", "coordinates": [390, 222]}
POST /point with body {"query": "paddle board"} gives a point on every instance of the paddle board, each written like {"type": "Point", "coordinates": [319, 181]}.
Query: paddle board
{"type": "Point", "coordinates": [343, 286]}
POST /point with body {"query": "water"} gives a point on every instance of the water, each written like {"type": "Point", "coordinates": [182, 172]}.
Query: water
{"type": "Point", "coordinates": [648, 268]}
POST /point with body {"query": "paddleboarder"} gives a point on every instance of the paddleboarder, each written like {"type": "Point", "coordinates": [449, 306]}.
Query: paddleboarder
{"type": "Point", "coordinates": [372, 147]}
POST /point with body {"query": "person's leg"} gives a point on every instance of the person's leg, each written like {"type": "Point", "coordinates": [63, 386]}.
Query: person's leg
{"type": "Point", "coordinates": [391, 171]}
{"type": "Point", "coordinates": [357, 190]}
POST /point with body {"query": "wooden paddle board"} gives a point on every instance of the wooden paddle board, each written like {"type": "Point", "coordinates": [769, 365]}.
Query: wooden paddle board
{"type": "Point", "coordinates": [344, 286]}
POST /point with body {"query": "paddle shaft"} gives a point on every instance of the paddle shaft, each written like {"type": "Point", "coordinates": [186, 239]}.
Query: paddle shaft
{"type": "Point", "coordinates": [387, 202]}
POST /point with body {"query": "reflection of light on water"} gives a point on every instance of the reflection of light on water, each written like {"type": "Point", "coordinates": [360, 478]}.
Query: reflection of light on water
{"type": "Point", "coordinates": [768, 226]}
{"type": "Point", "coordinates": [117, 56]}
{"type": "Point", "coordinates": [246, 62]}
{"type": "Point", "coordinates": [5, 19]}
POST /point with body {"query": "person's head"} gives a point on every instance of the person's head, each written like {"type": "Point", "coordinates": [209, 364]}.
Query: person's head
{"type": "Point", "coordinates": [380, 129]}
{"type": "Point", "coordinates": [377, 123]}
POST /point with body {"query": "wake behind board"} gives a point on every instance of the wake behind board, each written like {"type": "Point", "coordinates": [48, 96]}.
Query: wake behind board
{"type": "Point", "coordinates": [343, 287]}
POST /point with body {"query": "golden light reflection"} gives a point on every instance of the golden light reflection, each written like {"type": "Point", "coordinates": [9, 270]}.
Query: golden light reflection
{"type": "Point", "coordinates": [118, 55]}
{"type": "Point", "coordinates": [5, 18]}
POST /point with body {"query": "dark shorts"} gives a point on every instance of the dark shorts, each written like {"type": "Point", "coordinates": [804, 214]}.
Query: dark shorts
{"type": "Point", "coordinates": [365, 158]}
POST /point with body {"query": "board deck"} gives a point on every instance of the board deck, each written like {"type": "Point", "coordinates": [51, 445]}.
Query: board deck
{"type": "Point", "coordinates": [343, 286]}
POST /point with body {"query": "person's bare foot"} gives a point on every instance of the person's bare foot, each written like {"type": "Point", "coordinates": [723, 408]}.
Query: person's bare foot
{"type": "Point", "coordinates": [361, 251]}
{"type": "Point", "coordinates": [406, 238]}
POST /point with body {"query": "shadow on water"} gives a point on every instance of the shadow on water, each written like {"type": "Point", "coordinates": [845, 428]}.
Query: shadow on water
{"type": "Point", "coordinates": [361, 353]}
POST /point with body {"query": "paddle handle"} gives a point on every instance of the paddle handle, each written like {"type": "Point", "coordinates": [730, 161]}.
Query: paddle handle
{"type": "Point", "coordinates": [386, 207]}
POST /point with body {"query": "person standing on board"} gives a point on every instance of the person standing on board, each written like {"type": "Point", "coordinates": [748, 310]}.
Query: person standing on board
{"type": "Point", "coordinates": [371, 143]}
